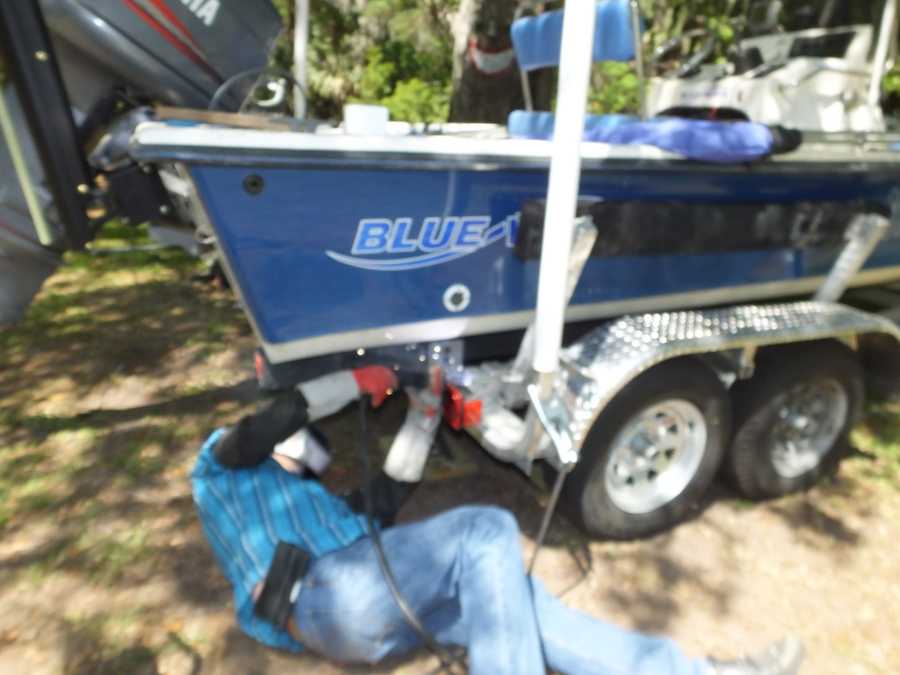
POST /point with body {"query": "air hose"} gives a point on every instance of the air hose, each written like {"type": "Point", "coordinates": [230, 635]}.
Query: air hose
{"type": "Point", "coordinates": [448, 661]}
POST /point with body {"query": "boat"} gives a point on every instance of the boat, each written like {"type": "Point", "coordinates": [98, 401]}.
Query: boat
{"type": "Point", "coordinates": [439, 209]}
{"type": "Point", "coordinates": [75, 79]}
{"type": "Point", "coordinates": [339, 242]}
{"type": "Point", "coordinates": [398, 244]}
{"type": "Point", "coordinates": [795, 63]}
{"type": "Point", "coordinates": [657, 246]}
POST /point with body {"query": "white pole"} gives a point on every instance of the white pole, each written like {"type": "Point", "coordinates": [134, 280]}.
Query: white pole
{"type": "Point", "coordinates": [562, 192]}
{"type": "Point", "coordinates": [879, 62]}
{"type": "Point", "coordinates": [301, 40]}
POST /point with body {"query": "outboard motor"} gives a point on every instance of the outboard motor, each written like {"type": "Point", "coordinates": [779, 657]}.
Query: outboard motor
{"type": "Point", "coordinates": [177, 52]}
{"type": "Point", "coordinates": [105, 61]}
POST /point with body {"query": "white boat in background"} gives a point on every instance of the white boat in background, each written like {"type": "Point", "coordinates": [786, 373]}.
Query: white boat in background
{"type": "Point", "coordinates": [796, 64]}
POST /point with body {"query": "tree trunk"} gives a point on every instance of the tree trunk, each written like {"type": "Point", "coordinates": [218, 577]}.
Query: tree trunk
{"type": "Point", "coordinates": [486, 85]}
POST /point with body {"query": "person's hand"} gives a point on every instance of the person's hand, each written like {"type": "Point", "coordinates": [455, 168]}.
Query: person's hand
{"type": "Point", "coordinates": [376, 381]}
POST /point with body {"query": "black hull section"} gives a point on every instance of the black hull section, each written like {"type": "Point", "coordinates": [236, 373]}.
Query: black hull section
{"type": "Point", "coordinates": [628, 228]}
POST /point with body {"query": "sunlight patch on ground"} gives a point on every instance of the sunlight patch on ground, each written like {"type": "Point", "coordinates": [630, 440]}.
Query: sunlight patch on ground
{"type": "Point", "coordinates": [125, 363]}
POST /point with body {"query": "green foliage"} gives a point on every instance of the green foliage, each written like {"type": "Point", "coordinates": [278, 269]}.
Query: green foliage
{"type": "Point", "coordinates": [615, 85]}
{"type": "Point", "coordinates": [396, 53]}
{"type": "Point", "coordinates": [416, 101]}
{"type": "Point", "coordinates": [892, 82]}
{"type": "Point", "coordinates": [380, 76]}
{"type": "Point", "coordinates": [879, 436]}
{"type": "Point", "coordinates": [669, 18]}
{"type": "Point", "coordinates": [399, 53]}
{"type": "Point", "coordinates": [614, 88]}
{"type": "Point", "coordinates": [892, 92]}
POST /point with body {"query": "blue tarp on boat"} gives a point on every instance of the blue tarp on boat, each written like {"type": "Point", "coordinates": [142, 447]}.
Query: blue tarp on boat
{"type": "Point", "coordinates": [703, 140]}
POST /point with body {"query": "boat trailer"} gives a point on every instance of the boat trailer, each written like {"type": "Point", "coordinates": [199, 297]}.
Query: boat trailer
{"type": "Point", "coordinates": [564, 392]}
{"type": "Point", "coordinates": [597, 367]}
{"type": "Point", "coordinates": [637, 412]}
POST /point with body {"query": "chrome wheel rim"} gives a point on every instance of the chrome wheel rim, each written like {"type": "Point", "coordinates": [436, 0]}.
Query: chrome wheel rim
{"type": "Point", "coordinates": [808, 421]}
{"type": "Point", "coordinates": [655, 456]}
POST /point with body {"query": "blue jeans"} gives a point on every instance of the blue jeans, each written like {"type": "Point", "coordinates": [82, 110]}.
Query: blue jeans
{"type": "Point", "coordinates": [462, 572]}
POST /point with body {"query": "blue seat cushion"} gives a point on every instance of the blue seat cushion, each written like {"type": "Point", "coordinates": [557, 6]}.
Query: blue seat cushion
{"type": "Point", "coordinates": [708, 141]}
{"type": "Point", "coordinates": [537, 39]}
{"type": "Point", "coordinates": [539, 125]}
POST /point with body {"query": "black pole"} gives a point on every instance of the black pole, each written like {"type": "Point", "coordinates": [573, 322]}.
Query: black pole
{"type": "Point", "coordinates": [32, 63]}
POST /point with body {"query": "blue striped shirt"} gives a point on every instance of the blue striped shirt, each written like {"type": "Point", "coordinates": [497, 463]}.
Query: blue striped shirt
{"type": "Point", "coordinates": [246, 512]}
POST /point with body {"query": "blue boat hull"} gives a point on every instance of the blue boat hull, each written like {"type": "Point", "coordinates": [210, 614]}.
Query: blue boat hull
{"type": "Point", "coordinates": [330, 257]}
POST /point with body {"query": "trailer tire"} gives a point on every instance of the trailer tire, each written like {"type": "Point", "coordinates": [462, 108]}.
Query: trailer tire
{"type": "Point", "coordinates": [685, 404]}
{"type": "Point", "coordinates": [793, 418]}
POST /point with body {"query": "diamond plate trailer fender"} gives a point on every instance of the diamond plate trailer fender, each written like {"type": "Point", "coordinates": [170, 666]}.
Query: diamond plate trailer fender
{"type": "Point", "coordinates": [601, 364]}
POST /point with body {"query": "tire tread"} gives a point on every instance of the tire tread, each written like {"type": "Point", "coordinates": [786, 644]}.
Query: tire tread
{"type": "Point", "coordinates": [687, 377]}
{"type": "Point", "coordinates": [777, 369]}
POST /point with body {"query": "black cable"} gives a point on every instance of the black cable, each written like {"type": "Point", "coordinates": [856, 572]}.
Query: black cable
{"type": "Point", "coordinates": [548, 516]}
{"type": "Point", "coordinates": [227, 84]}
{"type": "Point", "coordinates": [447, 660]}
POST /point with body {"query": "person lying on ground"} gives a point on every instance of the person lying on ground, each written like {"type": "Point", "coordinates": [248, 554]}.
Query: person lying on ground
{"type": "Point", "coordinates": [462, 571]}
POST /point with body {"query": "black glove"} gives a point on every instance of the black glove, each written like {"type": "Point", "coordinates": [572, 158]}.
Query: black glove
{"type": "Point", "coordinates": [252, 440]}
{"type": "Point", "coordinates": [785, 140]}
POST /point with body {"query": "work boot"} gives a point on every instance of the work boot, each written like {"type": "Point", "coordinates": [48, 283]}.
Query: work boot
{"type": "Point", "coordinates": [782, 658]}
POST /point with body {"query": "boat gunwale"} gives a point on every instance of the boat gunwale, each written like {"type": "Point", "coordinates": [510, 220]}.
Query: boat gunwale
{"type": "Point", "coordinates": [338, 160]}
{"type": "Point", "coordinates": [219, 146]}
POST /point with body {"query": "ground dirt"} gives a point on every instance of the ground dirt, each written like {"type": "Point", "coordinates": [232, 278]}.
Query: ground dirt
{"type": "Point", "coordinates": [125, 363]}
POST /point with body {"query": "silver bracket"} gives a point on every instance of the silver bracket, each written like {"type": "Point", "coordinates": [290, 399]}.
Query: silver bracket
{"type": "Point", "coordinates": [863, 236]}
{"type": "Point", "coordinates": [554, 418]}
{"type": "Point", "coordinates": [747, 362]}
{"type": "Point", "coordinates": [583, 239]}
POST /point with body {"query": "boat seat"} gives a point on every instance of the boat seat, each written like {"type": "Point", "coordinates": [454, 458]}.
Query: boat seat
{"type": "Point", "coordinates": [538, 124]}
{"type": "Point", "coordinates": [537, 42]}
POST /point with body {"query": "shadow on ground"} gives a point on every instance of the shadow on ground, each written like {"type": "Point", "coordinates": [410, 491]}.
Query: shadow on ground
{"type": "Point", "coordinates": [124, 366]}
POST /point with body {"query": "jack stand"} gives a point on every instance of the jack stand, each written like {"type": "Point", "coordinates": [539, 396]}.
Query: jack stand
{"type": "Point", "coordinates": [554, 418]}
{"type": "Point", "coordinates": [504, 387]}
{"type": "Point", "coordinates": [583, 238]}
